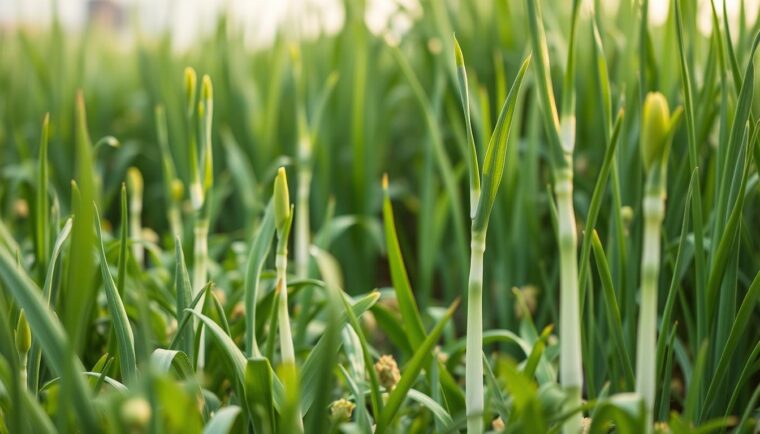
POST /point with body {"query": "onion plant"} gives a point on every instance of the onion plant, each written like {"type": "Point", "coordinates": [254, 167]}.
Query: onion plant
{"type": "Point", "coordinates": [483, 191]}
{"type": "Point", "coordinates": [560, 130]}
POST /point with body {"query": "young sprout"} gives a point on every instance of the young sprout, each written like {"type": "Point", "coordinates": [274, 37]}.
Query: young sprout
{"type": "Point", "coordinates": [657, 128]}
{"type": "Point", "coordinates": [482, 197]}
{"type": "Point", "coordinates": [283, 219]}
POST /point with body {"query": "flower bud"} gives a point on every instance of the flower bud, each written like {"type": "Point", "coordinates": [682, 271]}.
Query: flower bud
{"type": "Point", "coordinates": [281, 200]}
{"type": "Point", "coordinates": [387, 372]}
{"type": "Point", "coordinates": [655, 126]}
{"type": "Point", "coordinates": [341, 410]}
{"type": "Point", "coordinates": [177, 189]}
{"type": "Point", "coordinates": [135, 181]}
{"type": "Point", "coordinates": [191, 82]}
{"type": "Point", "coordinates": [23, 334]}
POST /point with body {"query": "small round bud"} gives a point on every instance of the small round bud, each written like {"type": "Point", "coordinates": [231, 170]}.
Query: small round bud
{"type": "Point", "coordinates": [281, 200]}
{"type": "Point", "coordinates": [177, 189]}
{"type": "Point", "coordinates": [23, 334]}
{"type": "Point", "coordinates": [387, 372]}
{"type": "Point", "coordinates": [655, 123]}
{"type": "Point", "coordinates": [135, 414]}
{"type": "Point", "coordinates": [341, 410]}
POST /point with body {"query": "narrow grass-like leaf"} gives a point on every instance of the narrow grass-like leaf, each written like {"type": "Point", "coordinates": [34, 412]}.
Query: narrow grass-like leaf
{"type": "Point", "coordinates": [496, 153]}
{"type": "Point", "coordinates": [407, 305]}
{"type": "Point", "coordinates": [260, 247]}
{"type": "Point", "coordinates": [258, 390]}
{"type": "Point", "coordinates": [183, 294]}
{"type": "Point", "coordinates": [49, 333]}
{"type": "Point", "coordinates": [119, 319]}
{"type": "Point", "coordinates": [614, 321]}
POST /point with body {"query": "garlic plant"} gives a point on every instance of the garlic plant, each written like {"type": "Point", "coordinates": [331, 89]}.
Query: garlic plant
{"type": "Point", "coordinates": [657, 128]}
{"type": "Point", "coordinates": [560, 131]}
{"type": "Point", "coordinates": [482, 197]}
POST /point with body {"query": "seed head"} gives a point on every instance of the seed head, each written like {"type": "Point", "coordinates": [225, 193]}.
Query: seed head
{"type": "Point", "coordinates": [655, 126]}
{"type": "Point", "coordinates": [23, 334]}
{"type": "Point", "coordinates": [341, 410]}
{"type": "Point", "coordinates": [387, 372]}
{"type": "Point", "coordinates": [281, 200]}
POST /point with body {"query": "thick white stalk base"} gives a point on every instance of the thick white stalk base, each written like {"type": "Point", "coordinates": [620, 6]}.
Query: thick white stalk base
{"type": "Point", "coordinates": [646, 340]}
{"type": "Point", "coordinates": [571, 370]}
{"type": "Point", "coordinates": [474, 351]}
{"type": "Point", "coordinates": [200, 251]}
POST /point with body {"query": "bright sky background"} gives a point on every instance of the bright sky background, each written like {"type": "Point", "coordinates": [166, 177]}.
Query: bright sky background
{"type": "Point", "coordinates": [260, 17]}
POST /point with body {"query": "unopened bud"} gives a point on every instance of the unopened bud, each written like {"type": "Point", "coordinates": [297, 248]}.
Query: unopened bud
{"type": "Point", "coordinates": [281, 200]}
{"type": "Point", "coordinates": [23, 334]}
{"type": "Point", "coordinates": [655, 126]}
{"type": "Point", "coordinates": [191, 83]}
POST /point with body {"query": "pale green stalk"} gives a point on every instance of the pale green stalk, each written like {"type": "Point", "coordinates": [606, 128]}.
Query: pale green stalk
{"type": "Point", "coordinates": [654, 212]}
{"type": "Point", "coordinates": [304, 153]}
{"type": "Point", "coordinates": [173, 185]}
{"type": "Point", "coordinates": [283, 212]}
{"type": "Point", "coordinates": [657, 128]}
{"type": "Point", "coordinates": [560, 130]}
{"type": "Point", "coordinates": [135, 184]}
{"type": "Point", "coordinates": [474, 354]}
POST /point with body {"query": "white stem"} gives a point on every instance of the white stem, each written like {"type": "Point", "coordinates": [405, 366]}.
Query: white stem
{"type": "Point", "coordinates": [301, 254]}
{"type": "Point", "coordinates": [24, 357]}
{"type": "Point", "coordinates": [646, 375]}
{"type": "Point", "coordinates": [200, 250]}
{"type": "Point", "coordinates": [570, 373]}
{"type": "Point", "coordinates": [474, 353]}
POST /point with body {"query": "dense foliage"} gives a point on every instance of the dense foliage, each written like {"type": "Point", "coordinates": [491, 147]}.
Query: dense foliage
{"type": "Point", "coordinates": [204, 240]}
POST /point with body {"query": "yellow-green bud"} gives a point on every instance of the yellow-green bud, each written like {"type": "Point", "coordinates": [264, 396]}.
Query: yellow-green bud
{"type": "Point", "coordinates": [281, 200]}
{"type": "Point", "coordinates": [341, 410]}
{"type": "Point", "coordinates": [177, 189]}
{"type": "Point", "coordinates": [135, 181]}
{"type": "Point", "coordinates": [135, 414]}
{"type": "Point", "coordinates": [23, 334]}
{"type": "Point", "coordinates": [655, 126]}
{"type": "Point", "coordinates": [387, 372]}
{"type": "Point", "coordinates": [191, 83]}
